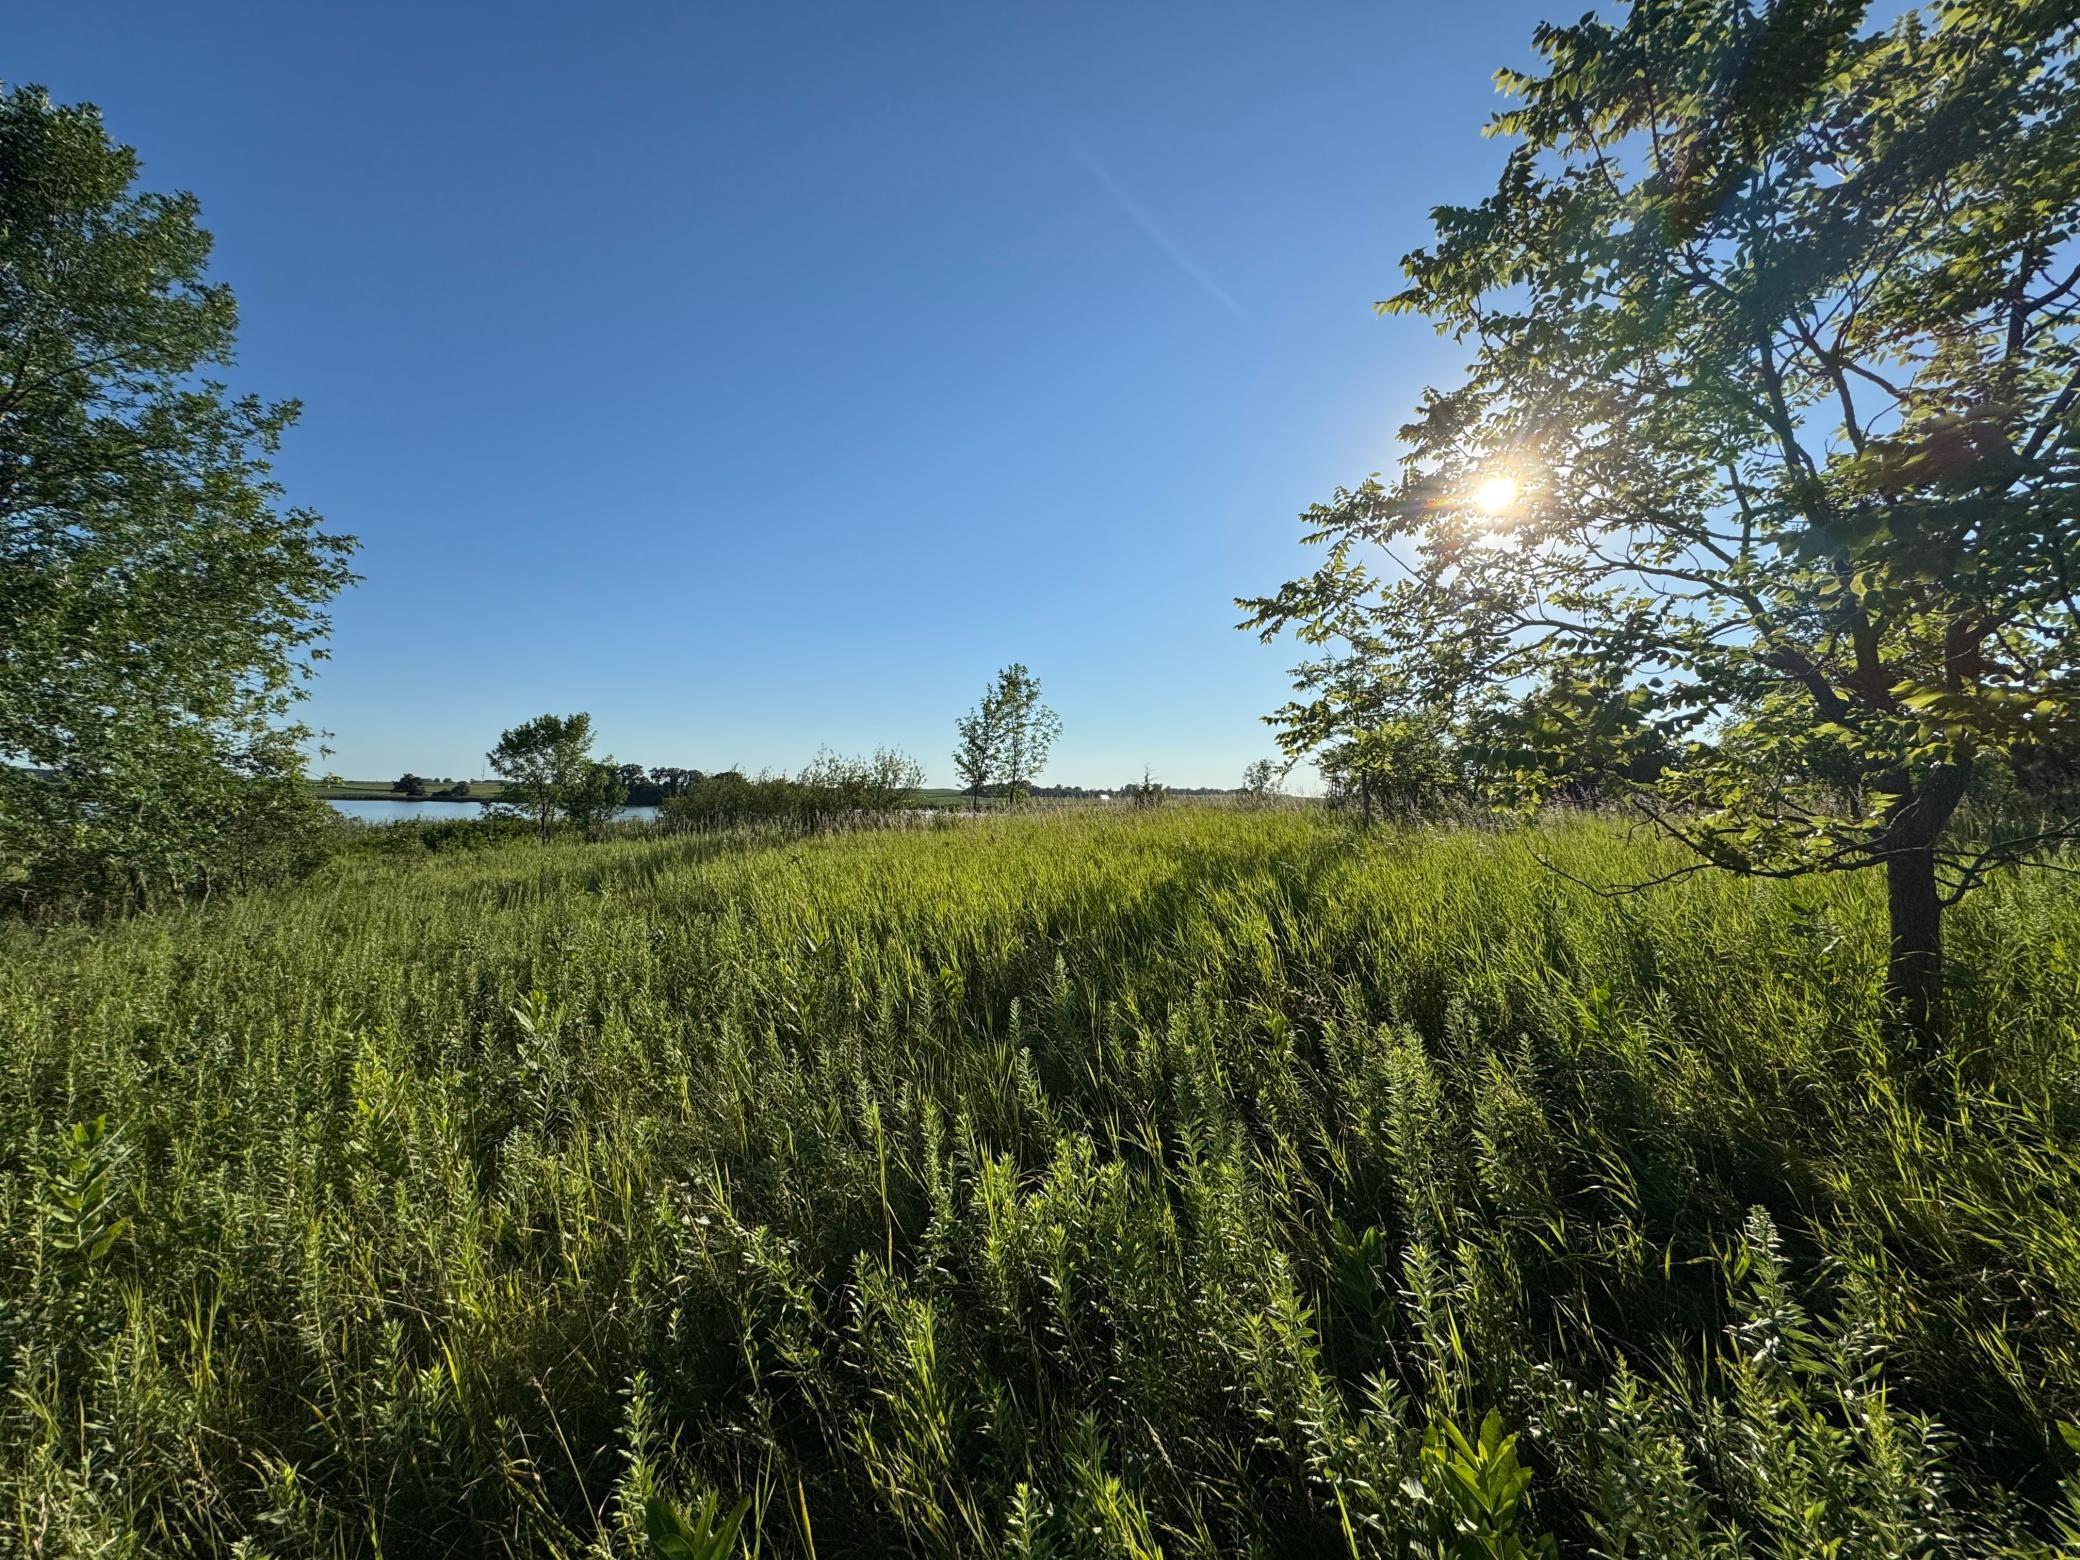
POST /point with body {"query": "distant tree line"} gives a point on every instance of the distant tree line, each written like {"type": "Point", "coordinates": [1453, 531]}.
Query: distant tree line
{"type": "Point", "coordinates": [551, 779]}
{"type": "Point", "coordinates": [417, 788]}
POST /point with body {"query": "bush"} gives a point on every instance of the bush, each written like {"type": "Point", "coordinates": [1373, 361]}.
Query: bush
{"type": "Point", "coordinates": [830, 791]}
{"type": "Point", "coordinates": [206, 836]}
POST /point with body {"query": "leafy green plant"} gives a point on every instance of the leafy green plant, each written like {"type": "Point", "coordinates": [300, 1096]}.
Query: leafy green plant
{"type": "Point", "coordinates": [1479, 1493]}
{"type": "Point", "coordinates": [706, 1532]}
{"type": "Point", "coordinates": [84, 1193]}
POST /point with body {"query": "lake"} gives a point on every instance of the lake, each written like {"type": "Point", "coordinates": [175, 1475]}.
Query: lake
{"type": "Point", "coordinates": [376, 810]}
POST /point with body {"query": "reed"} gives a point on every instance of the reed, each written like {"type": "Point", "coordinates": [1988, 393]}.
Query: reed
{"type": "Point", "coordinates": [1191, 1181]}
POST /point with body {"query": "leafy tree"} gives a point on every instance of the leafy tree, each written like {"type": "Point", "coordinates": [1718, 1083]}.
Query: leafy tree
{"type": "Point", "coordinates": [1027, 729]}
{"type": "Point", "coordinates": [1403, 766]}
{"type": "Point", "coordinates": [672, 780]}
{"type": "Point", "coordinates": [593, 794]}
{"type": "Point", "coordinates": [892, 780]}
{"type": "Point", "coordinates": [1004, 741]}
{"type": "Point", "coordinates": [1764, 465]}
{"type": "Point", "coordinates": [980, 745]}
{"type": "Point", "coordinates": [159, 606]}
{"type": "Point", "coordinates": [543, 763]}
{"type": "Point", "coordinates": [1262, 780]}
{"type": "Point", "coordinates": [409, 785]}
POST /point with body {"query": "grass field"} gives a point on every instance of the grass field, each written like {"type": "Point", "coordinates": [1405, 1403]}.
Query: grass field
{"type": "Point", "coordinates": [1197, 1182]}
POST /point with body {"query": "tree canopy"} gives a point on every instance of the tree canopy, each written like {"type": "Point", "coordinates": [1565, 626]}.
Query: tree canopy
{"type": "Point", "coordinates": [1757, 500]}
{"type": "Point", "coordinates": [547, 766]}
{"type": "Point", "coordinates": [159, 603]}
{"type": "Point", "coordinates": [1005, 740]}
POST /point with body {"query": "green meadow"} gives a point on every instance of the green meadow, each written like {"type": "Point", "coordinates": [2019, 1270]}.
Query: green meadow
{"type": "Point", "coordinates": [1193, 1181]}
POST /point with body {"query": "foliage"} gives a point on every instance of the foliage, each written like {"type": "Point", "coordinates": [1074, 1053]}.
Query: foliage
{"type": "Point", "coordinates": [548, 768]}
{"type": "Point", "coordinates": [668, 780]}
{"type": "Point", "coordinates": [1406, 766]}
{"type": "Point", "coordinates": [709, 1533]}
{"type": "Point", "coordinates": [1029, 729]}
{"type": "Point", "coordinates": [979, 745]}
{"type": "Point", "coordinates": [831, 790]}
{"type": "Point", "coordinates": [593, 795]}
{"type": "Point", "coordinates": [1263, 779]}
{"type": "Point", "coordinates": [1148, 791]}
{"type": "Point", "coordinates": [1762, 476]}
{"type": "Point", "coordinates": [1004, 741]}
{"type": "Point", "coordinates": [158, 605]}
{"type": "Point", "coordinates": [1086, 1183]}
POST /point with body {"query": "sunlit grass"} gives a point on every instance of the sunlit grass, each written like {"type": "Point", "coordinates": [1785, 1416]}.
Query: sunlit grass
{"type": "Point", "coordinates": [1063, 1185]}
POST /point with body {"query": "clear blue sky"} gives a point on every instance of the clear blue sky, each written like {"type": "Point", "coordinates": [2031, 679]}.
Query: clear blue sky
{"type": "Point", "coordinates": [759, 376]}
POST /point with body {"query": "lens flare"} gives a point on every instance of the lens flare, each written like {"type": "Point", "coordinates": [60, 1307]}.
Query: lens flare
{"type": "Point", "coordinates": [1495, 495]}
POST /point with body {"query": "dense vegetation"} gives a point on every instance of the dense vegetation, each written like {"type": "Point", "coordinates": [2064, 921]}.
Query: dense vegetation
{"type": "Point", "coordinates": [1756, 503]}
{"type": "Point", "coordinates": [1200, 1180]}
{"type": "Point", "coordinates": [160, 601]}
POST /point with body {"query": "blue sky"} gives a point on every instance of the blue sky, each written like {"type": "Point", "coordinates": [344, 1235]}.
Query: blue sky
{"type": "Point", "coordinates": [762, 376]}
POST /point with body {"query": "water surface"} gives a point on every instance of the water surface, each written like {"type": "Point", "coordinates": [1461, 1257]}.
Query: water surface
{"type": "Point", "coordinates": [378, 810]}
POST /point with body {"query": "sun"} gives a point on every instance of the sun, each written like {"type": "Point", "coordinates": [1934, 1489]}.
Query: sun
{"type": "Point", "coordinates": [1495, 495]}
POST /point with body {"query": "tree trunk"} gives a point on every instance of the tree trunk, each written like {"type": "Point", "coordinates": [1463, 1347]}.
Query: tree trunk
{"type": "Point", "coordinates": [1914, 970]}
{"type": "Point", "coordinates": [1914, 905]}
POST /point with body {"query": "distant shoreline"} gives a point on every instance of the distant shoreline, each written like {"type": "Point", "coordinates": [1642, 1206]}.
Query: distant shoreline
{"type": "Point", "coordinates": [491, 790]}
{"type": "Point", "coordinates": [382, 791]}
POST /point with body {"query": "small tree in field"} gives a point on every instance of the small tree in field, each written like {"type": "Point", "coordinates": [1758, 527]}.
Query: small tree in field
{"type": "Point", "coordinates": [1028, 728]}
{"type": "Point", "coordinates": [543, 763]}
{"type": "Point", "coordinates": [1148, 791]}
{"type": "Point", "coordinates": [1006, 738]}
{"type": "Point", "coordinates": [1262, 779]}
{"type": "Point", "coordinates": [1759, 496]}
{"type": "Point", "coordinates": [979, 749]}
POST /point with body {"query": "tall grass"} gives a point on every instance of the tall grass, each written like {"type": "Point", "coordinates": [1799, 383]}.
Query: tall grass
{"type": "Point", "coordinates": [1196, 1182]}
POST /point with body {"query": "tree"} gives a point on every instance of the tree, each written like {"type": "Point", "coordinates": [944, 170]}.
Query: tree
{"type": "Point", "coordinates": [1027, 729]}
{"type": "Point", "coordinates": [409, 785]}
{"type": "Point", "coordinates": [1262, 779]}
{"type": "Point", "coordinates": [1006, 738]}
{"type": "Point", "coordinates": [160, 608]}
{"type": "Point", "coordinates": [543, 763]}
{"type": "Point", "coordinates": [670, 780]}
{"type": "Point", "coordinates": [892, 781]}
{"type": "Point", "coordinates": [1764, 465]}
{"type": "Point", "coordinates": [979, 751]}
{"type": "Point", "coordinates": [593, 793]}
{"type": "Point", "coordinates": [1403, 766]}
